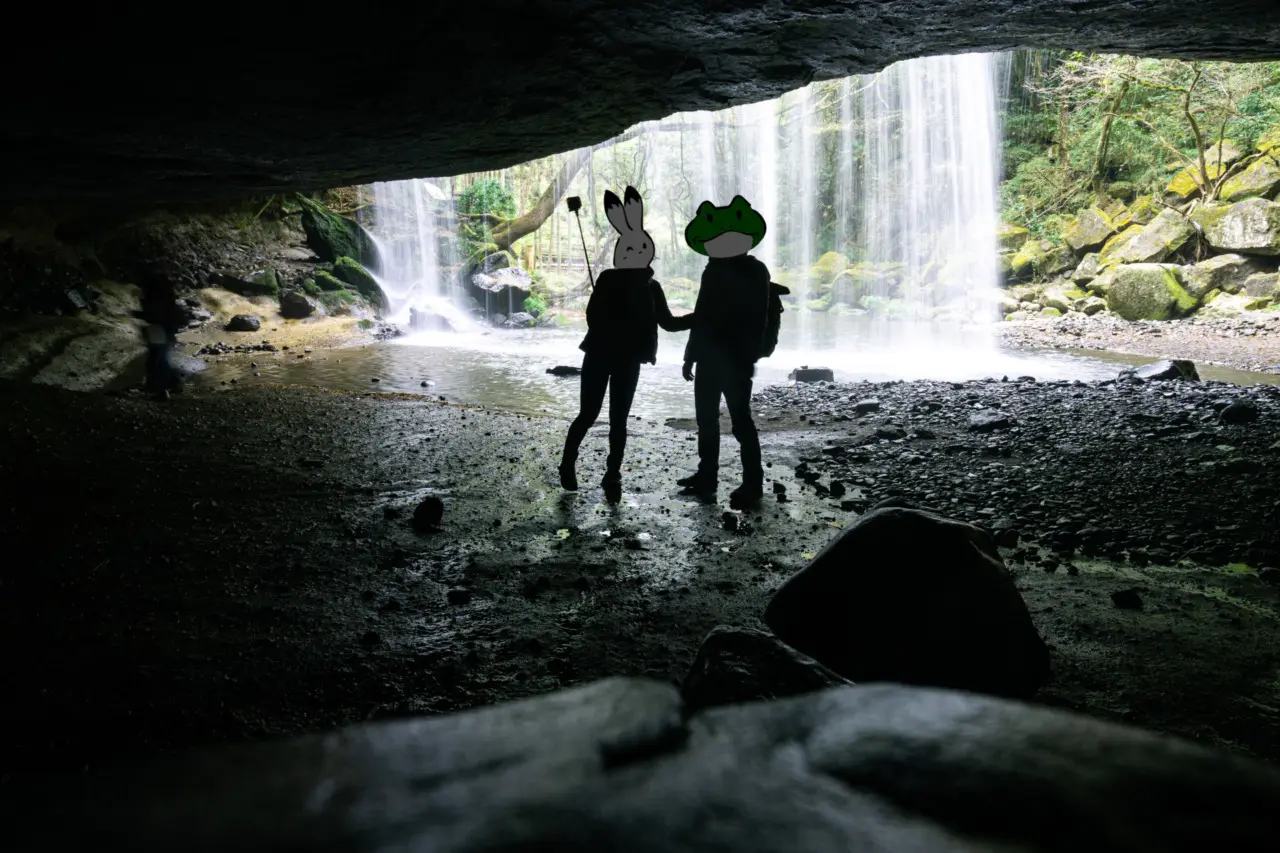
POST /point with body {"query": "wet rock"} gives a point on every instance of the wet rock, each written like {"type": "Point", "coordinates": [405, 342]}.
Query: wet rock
{"type": "Point", "coordinates": [1239, 412]}
{"type": "Point", "coordinates": [812, 374]}
{"type": "Point", "coordinates": [260, 283]}
{"type": "Point", "coordinates": [353, 274]}
{"type": "Point", "coordinates": [1127, 599]}
{"type": "Point", "coordinates": [910, 596]}
{"type": "Point", "coordinates": [502, 290]}
{"type": "Point", "coordinates": [521, 319]}
{"type": "Point", "coordinates": [988, 421]}
{"type": "Point", "coordinates": [244, 323]}
{"type": "Point", "coordinates": [428, 514]}
{"type": "Point", "coordinates": [618, 765]}
{"type": "Point", "coordinates": [736, 665]}
{"type": "Point", "coordinates": [1161, 370]}
{"type": "Point", "coordinates": [458, 596]}
{"type": "Point", "coordinates": [332, 236]}
{"type": "Point", "coordinates": [564, 370]}
{"type": "Point", "coordinates": [422, 320]}
{"type": "Point", "coordinates": [867, 406]}
{"type": "Point", "coordinates": [295, 305]}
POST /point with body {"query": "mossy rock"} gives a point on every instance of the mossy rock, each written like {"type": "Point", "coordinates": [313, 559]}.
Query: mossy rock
{"type": "Point", "coordinates": [1089, 231]}
{"type": "Point", "coordinates": [1028, 260]}
{"type": "Point", "coordinates": [1260, 180]}
{"type": "Point", "coordinates": [1144, 209]}
{"type": "Point", "coordinates": [1269, 142]}
{"type": "Point", "coordinates": [1159, 239]}
{"type": "Point", "coordinates": [325, 280]}
{"type": "Point", "coordinates": [332, 236]}
{"type": "Point", "coordinates": [1220, 273]}
{"type": "Point", "coordinates": [1149, 292]}
{"type": "Point", "coordinates": [310, 287]}
{"type": "Point", "coordinates": [263, 283]}
{"type": "Point", "coordinates": [1251, 227]}
{"type": "Point", "coordinates": [1123, 191]}
{"type": "Point", "coordinates": [357, 277]}
{"type": "Point", "coordinates": [1087, 270]}
{"type": "Point", "coordinates": [1050, 312]}
{"type": "Point", "coordinates": [337, 301]}
{"type": "Point", "coordinates": [1011, 237]}
{"type": "Point", "coordinates": [817, 305]}
{"type": "Point", "coordinates": [827, 267]}
{"type": "Point", "coordinates": [1186, 184]}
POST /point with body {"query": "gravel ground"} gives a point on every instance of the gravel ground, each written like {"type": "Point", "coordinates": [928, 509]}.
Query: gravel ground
{"type": "Point", "coordinates": [1248, 342]}
{"type": "Point", "coordinates": [241, 565]}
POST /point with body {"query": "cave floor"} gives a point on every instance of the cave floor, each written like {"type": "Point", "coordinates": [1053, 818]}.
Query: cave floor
{"type": "Point", "coordinates": [239, 566]}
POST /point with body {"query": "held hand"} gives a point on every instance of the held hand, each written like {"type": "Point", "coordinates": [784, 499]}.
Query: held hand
{"type": "Point", "coordinates": [687, 371]}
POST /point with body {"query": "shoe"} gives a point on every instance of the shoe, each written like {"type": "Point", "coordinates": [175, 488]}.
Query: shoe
{"type": "Point", "coordinates": [745, 497]}
{"type": "Point", "coordinates": [702, 488]}
{"type": "Point", "coordinates": [688, 481]}
{"type": "Point", "coordinates": [568, 478]}
{"type": "Point", "coordinates": [612, 479]}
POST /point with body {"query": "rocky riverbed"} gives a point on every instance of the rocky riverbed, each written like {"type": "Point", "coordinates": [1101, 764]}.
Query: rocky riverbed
{"type": "Point", "coordinates": [1248, 342]}
{"type": "Point", "coordinates": [242, 565]}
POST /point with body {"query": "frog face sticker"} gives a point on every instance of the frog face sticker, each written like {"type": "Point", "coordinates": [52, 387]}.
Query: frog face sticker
{"type": "Point", "coordinates": [725, 232]}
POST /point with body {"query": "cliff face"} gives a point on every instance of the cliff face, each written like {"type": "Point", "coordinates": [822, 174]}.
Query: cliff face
{"type": "Point", "coordinates": [144, 108]}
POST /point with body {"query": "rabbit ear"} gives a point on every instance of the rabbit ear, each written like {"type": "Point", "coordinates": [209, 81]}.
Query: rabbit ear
{"type": "Point", "coordinates": [613, 210]}
{"type": "Point", "coordinates": [633, 209]}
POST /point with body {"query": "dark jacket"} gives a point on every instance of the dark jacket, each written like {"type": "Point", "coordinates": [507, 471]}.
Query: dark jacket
{"type": "Point", "coordinates": [623, 315]}
{"type": "Point", "coordinates": [732, 309]}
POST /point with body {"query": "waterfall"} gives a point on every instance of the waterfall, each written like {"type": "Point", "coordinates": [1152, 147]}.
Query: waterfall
{"type": "Point", "coordinates": [410, 222]}
{"type": "Point", "coordinates": [929, 199]}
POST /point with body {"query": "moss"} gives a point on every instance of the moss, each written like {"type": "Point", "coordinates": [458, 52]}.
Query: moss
{"type": "Point", "coordinates": [325, 280]}
{"type": "Point", "coordinates": [336, 301]}
{"type": "Point", "coordinates": [365, 324]}
{"type": "Point", "coordinates": [1184, 303]}
{"type": "Point", "coordinates": [332, 236]}
{"type": "Point", "coordinates": [356, 276]}
{"type": "Point", "coordinates": [1050, 312]}
{"type": "Point", "coordinates": [309, 286]}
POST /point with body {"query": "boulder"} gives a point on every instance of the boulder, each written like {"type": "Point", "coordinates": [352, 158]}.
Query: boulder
{"type": "Point", "coordinates": [812, 374]}
{"type": "Point", "coordinates": [1185, 185]}
{"type": "Point", "coordinates": [1089, 231]}
{"type": "Point", "coordinates": [244, 323]}
{"type": "Point", "coordinates": [564, 370]}
{"type": "Point", "coordinates": [736, 665]}
{"type": "Point", "coordinates": [1149, 292]}
{"type": "Point", "coordinates": [910, 596]}
{"type": "Point", "coordinates": [1057, 260]}
{"type": "Point", "coordinates": [294, 305]}
{"type": "Point", "coordinates": [1159, 239]}
{"type": "Point", "coordinates": [1263, 286]}
{"type": "Point", "coordinates": [1027, 260]}
{"type": "Point", "coordinates": [1269, 142]}
{"type": "Point", "coordinates": [1161, 370]}
{"type": "Point", "coordinates": [1251, 227]}
{"type": "Point", "coordinates": [1102, 283]}
{"type": "Point", "coordinates": [1223, 272]}
{"type": "Point", "coordinates": [1093, 305]}
{"type": "Point", "coordinates": [1004, 263]}
{"type": "Point", "coordinates": [332, 236]}
{"type": "Point", "coordinates": [1144, 209]}
{"type": "Point", "coordinates": [327, 281]}
{"type": "Point", "coordinates": [424, 320]}
{"type": "Point", "coordinates": [849, 289]}
{"type": "Point", "coordinates": [522, 319]}
{"type": "Point", "coordinates": [502, 290]}
{"type": "Point", "coordinates": [621, 765]}
{"type": "Point", "coordinates": [352, 273]}
{"type": "Point", "coordinates": [1011, 237]}
{"type": "Point", "coordinates": [260, 283]}
{"type": "Point", "coordinates": [1259, 180]}
{"type": "Point", "coordinates": [1087, 270]}
{"type": "Point", "coordinates": [1224, 305]}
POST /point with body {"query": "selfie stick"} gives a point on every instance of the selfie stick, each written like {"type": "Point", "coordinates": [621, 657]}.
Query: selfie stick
{"type": "Point", "coordinates": [575, 203]}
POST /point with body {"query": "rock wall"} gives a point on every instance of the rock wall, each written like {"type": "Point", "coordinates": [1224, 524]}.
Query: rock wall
{"type": "Point", "coordinates": [271, 98]}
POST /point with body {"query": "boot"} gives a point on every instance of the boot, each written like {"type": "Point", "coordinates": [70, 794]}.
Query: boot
{"type": "Point", "coordinates": [703, 487]}
{"type": "Point", "coordinates": [687, 481]}
{"type": "Point", "coordinates": [746, 496]}
{"type": "Point", "coordinates": [568, 477]}
{"type": "Point", "coordinates": [612, 484]}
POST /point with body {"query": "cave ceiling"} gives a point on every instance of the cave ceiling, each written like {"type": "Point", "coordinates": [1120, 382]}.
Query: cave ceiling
{"type": "Point", "coordinates": [130, 104]}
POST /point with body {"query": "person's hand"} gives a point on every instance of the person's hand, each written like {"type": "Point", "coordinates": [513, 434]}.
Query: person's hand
{"type": "Point", "coordinates": [687, 371]}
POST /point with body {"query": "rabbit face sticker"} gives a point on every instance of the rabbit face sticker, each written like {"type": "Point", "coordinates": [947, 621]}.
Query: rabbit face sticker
{"type": "Point", "coordinates": [635, 246]}
{"type": "Point", "coordinates": [725, 232]}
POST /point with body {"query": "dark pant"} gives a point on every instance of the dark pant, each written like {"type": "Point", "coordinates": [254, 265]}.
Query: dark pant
{"type": "Point", "coordinates": [719, 375]}
{"type": "Point", "coordinates": [619, 377]}
{"type": "Point", "coordinates": [160, 373]}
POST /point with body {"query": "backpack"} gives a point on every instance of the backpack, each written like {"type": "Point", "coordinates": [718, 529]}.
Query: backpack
{"type": "Point", "coordinates": [772, 319]}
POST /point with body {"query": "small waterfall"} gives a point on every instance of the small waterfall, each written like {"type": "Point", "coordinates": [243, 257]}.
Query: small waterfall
{"type": "Point", "coordinates": [412, 222]}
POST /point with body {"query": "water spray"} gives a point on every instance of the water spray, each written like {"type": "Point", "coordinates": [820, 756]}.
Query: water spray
{"type": "Point", "coordinates": [575, 204]}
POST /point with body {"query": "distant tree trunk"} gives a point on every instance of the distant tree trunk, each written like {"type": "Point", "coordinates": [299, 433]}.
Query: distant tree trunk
{"type": "Point", "coordinates": [506, 232]}
{"type": "Point", "coordinates": [1104, 141]}
{"type": "Point", "coordinates": [1062, 137]}
{"type": "Point", "coordinates": [1207, 186]}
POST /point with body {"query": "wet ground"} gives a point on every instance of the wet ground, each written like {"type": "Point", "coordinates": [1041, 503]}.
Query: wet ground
{"type": "Point", "coordinates": [241, 565]}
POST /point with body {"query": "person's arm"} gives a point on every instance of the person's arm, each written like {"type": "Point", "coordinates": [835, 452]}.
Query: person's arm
{"type": "Point", "coordinates": [662, 312]}
{"type": "Point", "coordinates": [595, 305]}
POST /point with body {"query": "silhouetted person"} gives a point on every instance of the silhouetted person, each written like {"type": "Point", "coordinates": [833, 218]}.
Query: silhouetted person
{"type": "Point", "coordinates": [623, 315]}
{"type": "Point", "coordinates": [164, 319]}
{"type": "Point", "coordinates": [737, 312]}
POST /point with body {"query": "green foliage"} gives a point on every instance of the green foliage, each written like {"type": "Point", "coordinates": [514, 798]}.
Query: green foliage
{"type": "Point", "coordinates": [535, 305]}
{"type": "Point", "coordinates": [309, 286]}
{"type": "Point", "coordinates": [365, 324]}
{"type": "Point", "coordinates": [477, 204]}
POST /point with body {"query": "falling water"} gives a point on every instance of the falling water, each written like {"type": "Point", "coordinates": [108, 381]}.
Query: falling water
{"type": "Point", "coordinates": [411, 223]}
{"type": "Point", "coordinates": [929, 204]}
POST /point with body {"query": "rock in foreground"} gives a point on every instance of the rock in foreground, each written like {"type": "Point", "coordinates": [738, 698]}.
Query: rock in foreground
{"type": "Point", "coordinates": [615, 765]}
{"type": "Point", "coordinates": [910, 596]}
{"type": "Point", "coordinates": [736, 665]}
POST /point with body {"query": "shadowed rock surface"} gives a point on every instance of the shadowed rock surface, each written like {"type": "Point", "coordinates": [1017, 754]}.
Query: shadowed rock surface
{"type": "Point", "coordinates": [265, 101]}
{"type": "Point", "coordinates": [616, 765]}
